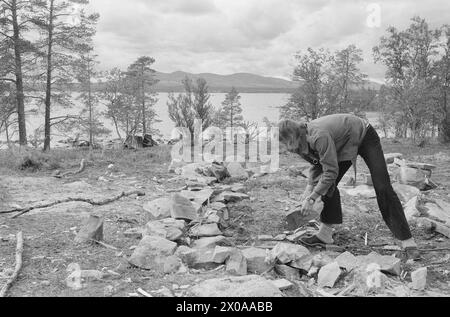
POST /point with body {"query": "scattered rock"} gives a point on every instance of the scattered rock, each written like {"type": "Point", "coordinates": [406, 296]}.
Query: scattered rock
{"type": "Point", "coordinates": [221, 254]}
{"type": "Point", "coordinates": [212, 242]}
{"type": "Point", "coordinates": [367, 179]}
{"type": "Point", "coordinates": [230, 197]}
{"type": "Point", "coordinates": [390, 158]}
{"type": "Point", "coordinates": [91, 230]}
{"type": "Point", "coordinates": [265, 238]}
{"type": "Point", "coordinates": [411, 209]}
{"type": "Point", "coordinates": [134, 233]}
{"type": "Point", "coordinates": [288, 252]}
{"type": "Point", "coordinates": [238, 188]}
{"type": "Point", "coordinates": [435, 211]}
{"type": "Point", "coordinates": [201, 259]}
{"type": "Point", "coordinates": [406, 192]}
{"type": "Point", "coordinates": [419, 279]}
{"type": "Point", "coordinates": [182, 208]}
{"type": "Point", "coordinates": [219, 171]}
{"type": "Point", "coordinates": [207, 230]}
{"type": "Point", "coordinates": [158, 209]}
{"type": "Point", "coordinates": [236, 171]}
{"type": "Point", "coordinates": [288, 272]}
{"type": "Point", "coordinates": [364, 191]}
{"type": "Point", "coordinates": [422, 166]}
{"type": "Point", "coordinates": [172, 264]}
{"type": "Point", "coordinates": [347, 261]}
{"type": "Point", "coordinates": [247, 286]}
{"type": "Point", "coordinates": [282, 284]}
{"type": "Point", "coordinates": [256, 260]}
{"type": "Point", "coordinates": [176, 167]}
{"type": "Point", "coordinates": [169, 229]}
{"type": "Point", "coordinates": [375, 280]}
{"type": "Point", "coordinates": [218, 206]}
{"type": "Point", "coordinates": [198, 197]}
{"type": "Point", "coordinates": [388, 264]}
{"type": "Point", "coordinates": [328, 275]}
{"type": "Point", "coordinates": [152, 252]}
{"type": "Point", "coordinates": [413, 177]}
{"type": "Point", "coordinates": [237, 264]}
{"type": "Point", "coordinates": [304, 263]}
{"type": "Point", "coordinates": [295, 219]}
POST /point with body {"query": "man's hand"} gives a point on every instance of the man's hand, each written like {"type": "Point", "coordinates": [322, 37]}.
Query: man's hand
{"type": "Point", "coordinates": [307, 207]}
{"type": "Point", "coordinates": [307, 193]}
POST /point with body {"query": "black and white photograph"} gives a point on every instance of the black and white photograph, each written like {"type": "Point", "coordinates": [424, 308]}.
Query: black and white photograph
{"type": "Point", "coordinates": [214, 156]}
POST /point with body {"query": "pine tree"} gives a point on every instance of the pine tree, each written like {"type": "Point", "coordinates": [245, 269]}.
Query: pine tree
{"type": "Point", "coordinates": [230, 116]}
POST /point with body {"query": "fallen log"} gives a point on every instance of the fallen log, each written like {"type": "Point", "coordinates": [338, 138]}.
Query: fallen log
{"type": "Point", "coordinates": [80, 170]}
{"type": "Point", "coordinates": [18, 267]}
{"type": "Point", "coordinates": [22, 211]}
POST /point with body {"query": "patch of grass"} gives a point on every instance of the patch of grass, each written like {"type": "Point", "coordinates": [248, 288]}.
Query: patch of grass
{"type": "Point", "coordinates": [17, 159]}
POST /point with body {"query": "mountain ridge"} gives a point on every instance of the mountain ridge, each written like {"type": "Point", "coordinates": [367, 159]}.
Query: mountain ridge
{"type": "Point", "coordinates": [243, 82]}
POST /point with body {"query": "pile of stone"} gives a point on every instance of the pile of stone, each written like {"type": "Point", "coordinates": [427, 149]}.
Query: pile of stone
{"type": "Point", "coordinates": [184, 230]}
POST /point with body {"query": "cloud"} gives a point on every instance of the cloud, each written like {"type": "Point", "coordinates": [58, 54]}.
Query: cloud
{"type": "Point", "coordinates": [259, 36]}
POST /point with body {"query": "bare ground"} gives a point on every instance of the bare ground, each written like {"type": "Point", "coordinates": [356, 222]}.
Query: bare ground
{"type": "Point", "coordinates": [49, 233]}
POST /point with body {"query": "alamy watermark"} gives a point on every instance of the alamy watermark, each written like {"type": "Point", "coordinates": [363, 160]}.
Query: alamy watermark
{"type": "Point", "coordinates": [374, 17]}
{"type": "Point", "coordinates": [261, 145]}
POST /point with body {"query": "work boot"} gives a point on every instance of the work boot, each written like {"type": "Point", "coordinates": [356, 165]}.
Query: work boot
{"type": "Point", "coordinates": [412, 253]}
{"type": "Point", "coordinates": [312, 241]}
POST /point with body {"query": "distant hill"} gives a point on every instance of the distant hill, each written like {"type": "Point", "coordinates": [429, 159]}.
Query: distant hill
{"type": "Point", "coordinates": [243, 82]}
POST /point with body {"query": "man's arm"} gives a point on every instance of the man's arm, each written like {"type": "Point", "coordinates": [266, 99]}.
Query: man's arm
{"type": "Point", "coordinates": [326, 148]}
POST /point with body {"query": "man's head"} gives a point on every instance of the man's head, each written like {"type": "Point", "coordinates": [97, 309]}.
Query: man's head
{"type": "Point", "coordinates": [293, 135]}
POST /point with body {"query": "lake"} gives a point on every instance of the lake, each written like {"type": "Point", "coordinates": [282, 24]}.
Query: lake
{"type": "Point", "coordinates": [256, 107]}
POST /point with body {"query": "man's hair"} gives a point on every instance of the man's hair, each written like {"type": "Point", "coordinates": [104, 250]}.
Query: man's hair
{"type": "Point", "coordinates": [292, 133]}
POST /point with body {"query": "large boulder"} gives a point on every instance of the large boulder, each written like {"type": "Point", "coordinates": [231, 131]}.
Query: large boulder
{"type": "Point", "coordinates": [152, 253]}
{"type": "Point", "coordinates": [158, 209]}
{"type": "Point", "coordinates": [247, 286]}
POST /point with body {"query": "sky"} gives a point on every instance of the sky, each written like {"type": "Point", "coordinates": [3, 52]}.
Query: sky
{"type": "Point", "coordinates": [251, 36]}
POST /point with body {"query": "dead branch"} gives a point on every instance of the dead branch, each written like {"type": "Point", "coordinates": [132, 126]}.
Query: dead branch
{"type": "Point", "coordinates": [74, 199]}
{"type": "Point", "coordinates": [105, 245]}
{"type": "Point", "coordinates": [19, 251]}
{"type": "Point", "coordinates": [80, 170]}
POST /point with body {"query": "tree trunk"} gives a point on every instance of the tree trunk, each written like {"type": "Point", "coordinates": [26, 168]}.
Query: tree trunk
{"type": "Point", "coordinates": [91, 124]}
{"type": "Point", "coordinates": [48, 92]}
{"type": "Point", "coordinates": [19, 76]}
